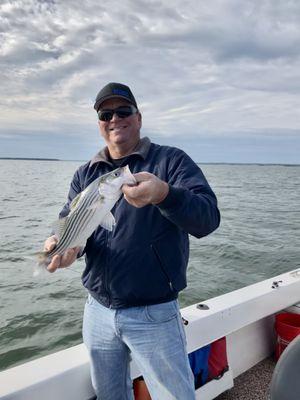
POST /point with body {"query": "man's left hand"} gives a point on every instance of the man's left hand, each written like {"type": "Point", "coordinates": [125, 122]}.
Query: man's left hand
{"type": "Point", "coordinates": [149, 190]}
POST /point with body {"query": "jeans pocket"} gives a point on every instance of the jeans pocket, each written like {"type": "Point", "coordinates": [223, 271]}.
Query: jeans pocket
{"type": "Point", "coordinates": [162, 312]}
{"type": "Point", "coordinates": [90, 300]}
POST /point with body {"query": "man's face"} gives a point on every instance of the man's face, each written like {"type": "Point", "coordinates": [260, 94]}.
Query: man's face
{"type": "Point", "coordinates": [120, 131]}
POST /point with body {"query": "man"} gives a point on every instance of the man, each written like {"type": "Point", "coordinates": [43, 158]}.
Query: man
{"type": "Point", "coordinates": [134, 273]}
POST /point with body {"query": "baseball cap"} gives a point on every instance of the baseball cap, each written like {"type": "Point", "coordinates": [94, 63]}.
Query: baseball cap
{"type": "Point", "coordinates": [114, 90]}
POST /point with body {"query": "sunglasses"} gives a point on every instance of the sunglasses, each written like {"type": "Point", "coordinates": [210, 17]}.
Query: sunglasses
{"type": "Point", "coordinates": [122, 112]}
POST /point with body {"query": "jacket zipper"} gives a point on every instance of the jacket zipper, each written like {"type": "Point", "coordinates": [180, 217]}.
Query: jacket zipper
{"type": "Point", "coordinates": [107, 267]}
{"type": "Point", "coordinates": [162, 266]}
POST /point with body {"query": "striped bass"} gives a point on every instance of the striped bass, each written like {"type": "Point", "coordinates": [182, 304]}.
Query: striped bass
{"type": "Point", "coordinates": [89, 209]}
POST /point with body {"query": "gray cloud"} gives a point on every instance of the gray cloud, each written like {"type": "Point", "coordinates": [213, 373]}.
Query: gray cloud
{"type": "Point", "coordinates": [195, 67]}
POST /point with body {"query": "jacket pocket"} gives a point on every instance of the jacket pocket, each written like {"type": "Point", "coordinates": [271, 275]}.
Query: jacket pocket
{"type": "Point", "coordinates": [161, 264]}
{"type": "Point", "coordinates": [171, 252]}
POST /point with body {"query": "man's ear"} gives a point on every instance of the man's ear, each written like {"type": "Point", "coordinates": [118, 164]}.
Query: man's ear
{"type": "Point", "coordinates": [140, 119]}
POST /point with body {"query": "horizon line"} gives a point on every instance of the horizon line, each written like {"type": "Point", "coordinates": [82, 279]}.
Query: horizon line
{"type": "Point", "coordinates": [197, 162]}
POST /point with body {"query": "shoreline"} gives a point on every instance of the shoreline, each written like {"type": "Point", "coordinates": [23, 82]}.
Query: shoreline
{"type": "Point", "coordinates": [201, 163]}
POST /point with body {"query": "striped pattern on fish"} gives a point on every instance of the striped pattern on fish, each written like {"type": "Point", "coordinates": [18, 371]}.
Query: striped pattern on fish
{"type": "Point", "coordinates": [88, 210]}
{"type": "Point", "coordinates": [78, 221]}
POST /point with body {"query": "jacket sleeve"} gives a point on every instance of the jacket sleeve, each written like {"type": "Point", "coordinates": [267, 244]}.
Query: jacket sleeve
{"type": "Point", "coordinates": [190, 204]}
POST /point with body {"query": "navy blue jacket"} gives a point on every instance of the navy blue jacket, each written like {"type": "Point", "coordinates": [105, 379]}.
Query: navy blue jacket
{"type": "Point", "coordinates": [144, 259]}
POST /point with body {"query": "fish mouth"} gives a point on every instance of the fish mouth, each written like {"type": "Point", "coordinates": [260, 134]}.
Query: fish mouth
{"type": "Point", "coordinates": [129, 178]}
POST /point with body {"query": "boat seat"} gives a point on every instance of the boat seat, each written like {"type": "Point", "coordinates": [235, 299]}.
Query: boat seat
{"type": "Point", "coordinates": [285, 383]}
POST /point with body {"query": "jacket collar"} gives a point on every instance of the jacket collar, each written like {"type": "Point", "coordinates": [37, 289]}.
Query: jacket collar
{"type": "Point", "coordinates": [141, 149]}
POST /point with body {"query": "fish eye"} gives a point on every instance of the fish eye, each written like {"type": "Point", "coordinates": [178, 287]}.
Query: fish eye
{"type": "Point", "coordinates": [116, 174]}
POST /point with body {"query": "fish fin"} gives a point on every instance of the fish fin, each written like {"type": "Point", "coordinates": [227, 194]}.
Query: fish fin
{"type": "Point", "coordinates": [108, 222]}
{"type": "Point", "coordinates": [40, 262]}
{"type": "Point", "coordinates": [59, 226]}
{"type": "Point", "coordinates": [38, 269]}
{"type": "Point", "coordinates": [42, 258]}
{"type": "Point", "coordinates": [41, 255]}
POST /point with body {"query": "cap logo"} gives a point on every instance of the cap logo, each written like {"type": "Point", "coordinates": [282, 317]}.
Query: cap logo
{"type": "Point", "coordinates": [120, 92]}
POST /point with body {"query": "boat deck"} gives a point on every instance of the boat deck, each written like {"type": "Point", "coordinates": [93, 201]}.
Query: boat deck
{"type": "Point", "coordinates": [252, 384]}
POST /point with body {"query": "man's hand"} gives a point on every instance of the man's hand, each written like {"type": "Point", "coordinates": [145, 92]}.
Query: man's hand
{"type": "Point", "coordinates": [60, 261]}
{"type": "Point", "coordinates": [149, 190]}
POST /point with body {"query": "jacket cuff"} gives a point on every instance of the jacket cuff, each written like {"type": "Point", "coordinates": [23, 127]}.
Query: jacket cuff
{"type": "Point", "coordinates": [172, 200]}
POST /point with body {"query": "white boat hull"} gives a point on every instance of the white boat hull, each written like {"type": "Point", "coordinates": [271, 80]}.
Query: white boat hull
{"type": "Point", "coordinates": [244, 316]}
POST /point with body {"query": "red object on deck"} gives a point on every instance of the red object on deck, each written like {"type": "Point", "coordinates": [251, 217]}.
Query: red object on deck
{"type": "Point", "coordinates": [287, 327]}
{"type": "Point", "coordinates": [217, 362]}
{"type": "Point", "coordinates": [140, 390]}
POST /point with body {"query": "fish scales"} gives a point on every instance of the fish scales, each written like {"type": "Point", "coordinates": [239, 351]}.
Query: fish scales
{"type": "Point", "coordinates": [74, 225]}
{"type": "Point", "coordinates": [72, 231]}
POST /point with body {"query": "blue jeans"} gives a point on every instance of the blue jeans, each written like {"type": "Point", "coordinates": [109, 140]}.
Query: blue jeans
{"type": "Point", "coordinates": [152, 335]}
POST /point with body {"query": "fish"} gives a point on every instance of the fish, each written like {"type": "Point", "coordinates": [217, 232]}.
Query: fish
{"type": "Point", "coordinates": [89, 209]}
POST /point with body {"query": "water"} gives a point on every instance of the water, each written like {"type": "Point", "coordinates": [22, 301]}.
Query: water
{"type": "Point", "coordinates": [258, 238]}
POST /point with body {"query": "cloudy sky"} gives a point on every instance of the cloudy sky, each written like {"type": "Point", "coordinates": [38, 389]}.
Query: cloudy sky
{"type": "Point", "coordinates": [220, 79]}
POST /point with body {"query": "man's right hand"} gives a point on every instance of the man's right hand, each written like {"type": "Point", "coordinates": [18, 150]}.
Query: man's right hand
{"type": "Point", "coordinates": [60, 261]}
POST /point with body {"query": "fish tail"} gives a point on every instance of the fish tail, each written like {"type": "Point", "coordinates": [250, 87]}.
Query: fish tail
{"type": "Point", "coordinates": [39, 260]}
{"type": "Point", "coordinates": [43, 258]}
